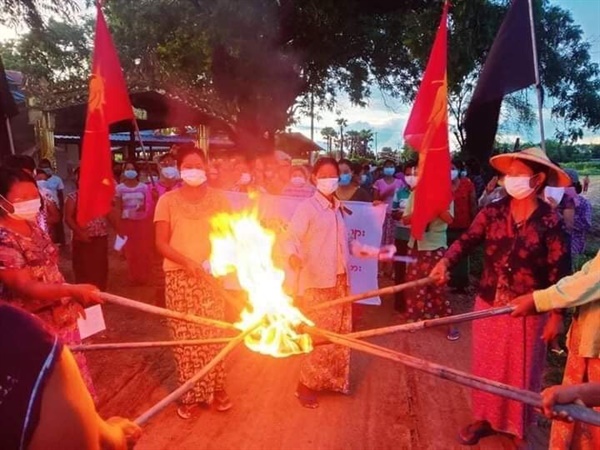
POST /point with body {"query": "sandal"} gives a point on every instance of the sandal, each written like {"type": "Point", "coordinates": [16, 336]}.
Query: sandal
{"type": "Point", "coordinates": [453, 334]}
{"type": "Point", "coordinates": [185, 412]}
{"type": "Point", "coordinates": [307, 397]}
{"type": "Point", "coordinates": [473, 433]}
{"type": "Point", "coordinates": [222, 401]}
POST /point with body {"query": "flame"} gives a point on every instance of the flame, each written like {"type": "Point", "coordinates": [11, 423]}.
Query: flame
{"type": "Point", "coordinates": [241, 245]}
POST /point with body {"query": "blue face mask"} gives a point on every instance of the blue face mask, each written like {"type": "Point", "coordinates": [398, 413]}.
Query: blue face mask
{"type": "Point", "coordinates": [130, 174]}
{"type": "Point", "coordinates": [363, 179]}
{"type": "Point", "coordinates": [463, 173]}
{"type": "Point", "coordinates": [389, 171]}
{"type": "Point", "coordinates": [345, 179]}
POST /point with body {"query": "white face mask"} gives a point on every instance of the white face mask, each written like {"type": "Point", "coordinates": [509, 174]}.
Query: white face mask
{"type": "Point", "coordinates": [411, 180]}
{"type": "Point", "coordinates": [193, 177]}
{"type": "Point", "coordinates": [298, 181]}
{"type": "Point", "coordinates": [27, 210]}
{"type": "Point", "coordinates": [170, 173]}
{"type": "Point", "coordinates": [327, 186]}
{"type": "Point", "coordinates": [518, 187]}
{"type": "Point", "coordinates": [554, 193]}
{"type": "Point", "coordinates": [245, 178]}
{"type": "Point", "coordinates": [454, 174]}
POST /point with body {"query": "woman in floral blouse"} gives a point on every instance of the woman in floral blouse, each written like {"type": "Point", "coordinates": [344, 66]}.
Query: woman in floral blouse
{"type": "Point", "coordinates": [29, 274]}
{"type": "Point", "coordinates": [526, 248]}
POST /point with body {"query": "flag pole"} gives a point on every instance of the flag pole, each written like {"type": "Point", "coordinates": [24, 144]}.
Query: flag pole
{"type": "Point", "coordinates": [10, 136]}
{"type": "Point", "coordinates": [139, 136]}
{"type": "Point", "coordinates": [536, 69]}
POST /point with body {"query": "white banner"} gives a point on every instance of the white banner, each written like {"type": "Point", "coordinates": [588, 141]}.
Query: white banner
{"type": "Point", "coordinates": [364, 224]}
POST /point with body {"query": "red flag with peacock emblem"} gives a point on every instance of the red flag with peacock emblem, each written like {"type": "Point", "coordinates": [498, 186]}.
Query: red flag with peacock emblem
{"type": "Point", "coordinates": [108, 103]}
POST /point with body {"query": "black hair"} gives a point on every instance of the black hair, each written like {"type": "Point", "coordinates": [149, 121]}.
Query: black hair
{"type": "Point", "coordinates": [458, 163]}
{"type": "Point", "coordinates": [185, 150]}
{"type": "Point", "coordinates": [164, 156]}
{"type": "Point", "coordinates": [325, 161]}
{"type": "Point", "coordinates": [20, 162]}
{"type": "Point", "coordinates": [473, 166]}
{"type": "Point", "coordinates": [10, 176]}
{"type": "Point", "coordinates": [578, 187]}
{"type": "Point", "coordinates": [347, 162]}
{"type": "Point", "coordinates": [389, 161]}
{"type": "Point", "coordinates": [410, 165]}
{"type": "Point", "coordinates": [45, 161]}
{"type": "Point", "coordinates": [539, 168]}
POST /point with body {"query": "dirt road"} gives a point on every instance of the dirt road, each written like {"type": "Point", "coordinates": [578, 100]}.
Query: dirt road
{"type": "Point", "coordinates": [390, 407]}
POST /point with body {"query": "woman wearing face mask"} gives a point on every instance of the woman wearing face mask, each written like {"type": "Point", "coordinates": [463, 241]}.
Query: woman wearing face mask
{"type": "Point", "coordinates": [349, 189]}
{"type": "Point", "coordinates": [402, 230]}
{"type": "Point", "coordinates": [383, 192]}
{"type": "Point", "coordinates": [29, 274]}
{"type": "Point", "coordinates": [317, 245]}
{"type": "Point", "coordinates": [428, 302]}
{"type": "Point", "coordinates": [134, 204]}
{"type": "Point", "coordinates": [89, 244]}
{"type": "Point", "coordinates": [299, 185]}
{"type": "Point", "coordinates": [465, 209]}
{"type": "Point", "coordinates": [182, 224]}
{"type": "Point", "coordinates": [169, 175]}
{"type": "Point", "coordinates": [525, 250]}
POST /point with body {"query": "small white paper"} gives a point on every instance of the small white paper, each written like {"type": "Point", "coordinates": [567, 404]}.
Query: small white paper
{"type": "Point", "coordinates": [93, 323]}
{"type": "Point", "coordinates": [120, 243]}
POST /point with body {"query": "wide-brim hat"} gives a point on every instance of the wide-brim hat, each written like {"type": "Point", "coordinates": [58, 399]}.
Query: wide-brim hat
{"type": "Point", "coordinates": [556, 176]}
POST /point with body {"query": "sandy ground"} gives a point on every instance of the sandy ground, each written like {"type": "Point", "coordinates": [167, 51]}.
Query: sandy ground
{"type": "Point", "coordinates": [391, 407]}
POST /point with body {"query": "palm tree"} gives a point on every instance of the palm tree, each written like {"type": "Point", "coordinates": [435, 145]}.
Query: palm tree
{"type": "Point", "coordinates": [329, 134]}
{"type": "Point", "coordinates": [365, 138]}
{"type": "Point", "coordinates": [352, 142]}
{"type": "Point", "coordinates": [342, 123]}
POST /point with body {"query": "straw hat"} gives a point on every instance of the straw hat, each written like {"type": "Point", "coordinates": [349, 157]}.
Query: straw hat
{"type": "Point", "coordinates": [556, 176]}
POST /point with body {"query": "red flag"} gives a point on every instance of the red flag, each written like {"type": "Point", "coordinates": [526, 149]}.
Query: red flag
{"type": "Point", "coordinates": [427, 133]}
{"type": "Point", "coordinates": [108, 103]}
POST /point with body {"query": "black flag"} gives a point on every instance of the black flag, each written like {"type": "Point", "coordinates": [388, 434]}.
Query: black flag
{"type": "Point", "coordinates": [8, 108]}
{"type": "Point", "coordinates": [509, 67]}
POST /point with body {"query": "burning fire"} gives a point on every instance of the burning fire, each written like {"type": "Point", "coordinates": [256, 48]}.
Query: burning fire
{"type": "Point", "coordinates": [241, 245]}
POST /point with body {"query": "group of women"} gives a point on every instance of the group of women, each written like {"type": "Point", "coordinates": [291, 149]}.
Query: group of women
{"type": "Point", "coordinates": [525, 250]}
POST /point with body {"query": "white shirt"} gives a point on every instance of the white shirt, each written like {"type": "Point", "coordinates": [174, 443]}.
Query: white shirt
{"type": "Point", "coordinates": [317, 235]}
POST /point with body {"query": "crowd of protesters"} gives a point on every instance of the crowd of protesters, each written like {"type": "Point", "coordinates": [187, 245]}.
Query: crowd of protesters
{"type": "Point", "coordinates": [530, 218]}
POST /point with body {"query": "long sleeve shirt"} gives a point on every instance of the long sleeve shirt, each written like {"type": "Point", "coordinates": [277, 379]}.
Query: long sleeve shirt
{"type": "Point", "coordinates": [317, 235]}
{"type": "Point", "coordinates": [581, 290]}
{"type": "Point", "coordinates": [518, 258]}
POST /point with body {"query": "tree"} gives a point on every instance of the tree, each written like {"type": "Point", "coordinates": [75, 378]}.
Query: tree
{"type": "Point", "coordinates": [258, 62]}
{"type": "Point", "coordinates": [342, 123]}
{"type": "Point", "coordinates": [365, 138]}
{"type": "Point", "coordinates": [58, 52]}
{"type": "Point", "coordinates": [31, 12]}
{"type": "Point", "coordinates": [329, 134]}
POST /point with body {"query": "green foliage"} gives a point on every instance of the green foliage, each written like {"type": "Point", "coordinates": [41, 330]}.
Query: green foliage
{"type": "Point", "coordinates": [60, 51]}
{"type": "Point", "coordinates": [584, 168]}
{"type": "Point", "coordinates": [31, 12]}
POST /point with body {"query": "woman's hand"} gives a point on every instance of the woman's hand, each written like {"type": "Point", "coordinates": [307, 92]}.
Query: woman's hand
{"type": "Point", "coordinates": [121, 434]}
{"type": "Point", "coordinates": [440, 272]}
{"type": "Point", "coordinates": [553, 328]}
{"type": "Point", "coordinates": [295, 262]}
{"type": "Point", "coordinates": [85, 294]}
{"type": "Point", "coordinates": [194, 269]}
{"type": "Point", "coordinates": [524, 306]}
{"type": "Point", "coordinates": [377, 202]}
{"type": "Point", "coordinates": [491, 185]}
{"type": "Point", "coordinates": [560, 395]}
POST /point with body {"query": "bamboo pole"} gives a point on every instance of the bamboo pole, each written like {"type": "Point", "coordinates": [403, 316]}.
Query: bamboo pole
{"type": "Point", "coordinates": [374, 293]}
{"type": "Point", "coordinates": [577, 412]}
{"type": "Point", "coordinates": [414, 326]}
{"type": "Point", "coordinates": [122, 301]}
{"type": "Point", "coordinates": [156, 344]}
{"type": "Point", "coordinates": [188, 385]}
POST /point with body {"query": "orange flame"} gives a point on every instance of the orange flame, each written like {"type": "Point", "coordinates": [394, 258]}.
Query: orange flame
{"type": "Point", "coordinates": [241, 245]}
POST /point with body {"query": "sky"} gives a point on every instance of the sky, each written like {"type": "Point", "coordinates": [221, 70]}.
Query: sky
{"type": "Point", "coordinates": [387, 116]}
